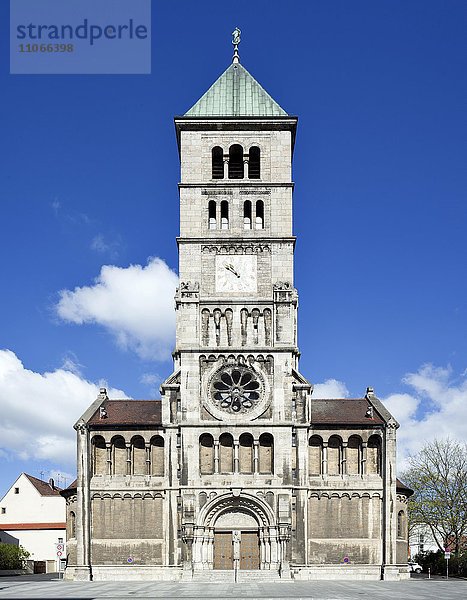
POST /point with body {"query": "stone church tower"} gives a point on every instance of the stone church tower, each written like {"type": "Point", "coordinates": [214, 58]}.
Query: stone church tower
{"type": "Point", "coordinates": [237, 468]}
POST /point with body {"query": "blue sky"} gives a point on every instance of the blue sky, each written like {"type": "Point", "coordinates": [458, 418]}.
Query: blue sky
{"type": "Point", "coordinates": [89, 181]}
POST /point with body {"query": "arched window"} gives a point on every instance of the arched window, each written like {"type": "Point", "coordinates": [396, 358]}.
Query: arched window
{"type": "Point", "coordinates": [373, 456]}
{"type": "Point", "coordinates": [217, 163]}
{"type": "Point", "coordinates": [259, 214]}
{"type": "Point", "coordinates": [138, 456]}
{"type": "Point", "coordinates": [247, 214]}
{"type": "Point", "coordinates": [236, 162]}
{"type": "Point", "coordinates": [212, 214]}
{"type": "Point", "coordinates": [157, 456]}
{"type": "Point", "coordinates": [119, 454]}
{"type": "Point", "coordinates": [99, 455]}
{"type": "Point", "coordinates": [400, 524]}
{"type": "Point", "coordinates": [224, 214]}
{"type": "Point", "coordinates": [315, 455]}
{"type": "Point", "coordinates": [72, 531]}
{"type": "Point", "coordinates": [226, 453]}
{"type": "Point", "coordinates": [246, 453]}
{"type": "Point", "coordinates": [266, 453]}
{"type": "Point", "coordinates": [334, 455]}
{"type": "Point", "coordinates": [354, 455]}
{"type": "Point", "coordinates": [206, 454]}
{"type": "Point", "coordinates": [254, 168]}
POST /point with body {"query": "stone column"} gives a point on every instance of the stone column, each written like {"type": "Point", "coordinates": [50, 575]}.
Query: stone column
{"type": "Point", "coordinates": [364, 457]}
{"type": "Point", "coordinates": [226, 166]}
{"type": "Point", "coordinates": [216, 456]}
{"type": "Point", "coordinates": [236, 465]}
{"type": "Point", "coordinates": [108, 447]}
{"type": "Point", "coordinates": [344, 459]}
{"type": "Point", "coordinates": [256, 456]}
{"type": "Point", "coordinates": [262, 548]}
{"type": "Point", "coordinates": [83, 524]}
{"type": "Point", "coordinates": [128, 458]}
{"type": "Point", "coordinates": [148, 458]}
{"type": "Point", "coordinates": [210, 560]}
{"type": "Point", "coordinates": [324, 465]}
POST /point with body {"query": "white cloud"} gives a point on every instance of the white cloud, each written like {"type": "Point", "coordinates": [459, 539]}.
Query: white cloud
{"type": "Point", "coordinates": [135, 304]}
{"type": "Point", "coordinates": [331, 388]}
{"type": "Point", "coordinates": [103, 245]}
{"type": "Point", "coordinates": [38, 410]}
{"type": "Point", "coordinates": [435, 407]}
{"type": "Point", "coordinates": [153, 381]}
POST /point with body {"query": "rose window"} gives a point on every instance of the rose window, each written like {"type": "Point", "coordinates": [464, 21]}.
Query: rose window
{"type": "Point", "coordinates": [236, 389]}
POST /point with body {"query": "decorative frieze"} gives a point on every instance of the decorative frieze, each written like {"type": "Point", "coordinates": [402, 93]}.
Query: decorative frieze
{"type": "Point", "coordinates": [235, 248]}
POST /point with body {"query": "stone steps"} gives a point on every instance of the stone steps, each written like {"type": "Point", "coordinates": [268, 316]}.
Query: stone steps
{"type": "Point", "coordinates": [217, 575]}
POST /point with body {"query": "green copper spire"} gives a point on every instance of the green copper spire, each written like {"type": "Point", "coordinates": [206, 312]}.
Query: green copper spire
{"type": "Point", "coordinates": [236, 94]}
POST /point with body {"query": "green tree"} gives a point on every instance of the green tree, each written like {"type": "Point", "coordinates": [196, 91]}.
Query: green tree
{"type": "Point", "coordinates": [12, 557]}
{"type": "Point", "coordinates": [438, 476]}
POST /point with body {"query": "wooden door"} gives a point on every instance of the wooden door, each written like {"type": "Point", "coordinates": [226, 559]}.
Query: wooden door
{"type": "Point", "coordinates": [223, 550]}
{"type": "Point", "coordinates": [249, 550]}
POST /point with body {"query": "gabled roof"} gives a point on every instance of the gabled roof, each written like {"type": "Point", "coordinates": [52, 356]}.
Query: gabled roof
{"type": "Point", "coordinates": [128, 412]}
{"type": "Point", "coordinates": [43, 487]}
{"type": "Point", "coordinates": [236, 94]}
{"type": "Point", "coordinates": [403, 489]}
{"type": "Point", "coordinates": [343, 411]}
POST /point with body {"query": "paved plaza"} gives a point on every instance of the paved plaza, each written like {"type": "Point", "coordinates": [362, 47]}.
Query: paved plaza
{"type": "Point", "coordinates": [414, 589]}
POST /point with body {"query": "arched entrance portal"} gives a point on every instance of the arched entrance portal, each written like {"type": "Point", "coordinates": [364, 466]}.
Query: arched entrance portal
{"type": "Point", "coordinates": [236, 541]}
{"type": "Point", "coordinates": [236, 532]}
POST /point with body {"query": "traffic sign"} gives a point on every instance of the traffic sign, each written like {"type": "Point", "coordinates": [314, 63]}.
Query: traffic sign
{"type": "Point", "coordinates": [59, 553]}
{"type": "Point", "coordinates": [447, 555]}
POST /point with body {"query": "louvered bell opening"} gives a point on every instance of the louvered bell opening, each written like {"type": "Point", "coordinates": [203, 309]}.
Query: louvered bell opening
{"type": "Point", "coordinates": [254, 169]}
{"type": "Point", "coordinates": [236, 162]}
{"type": "Point", "coordinates": [217, 163]}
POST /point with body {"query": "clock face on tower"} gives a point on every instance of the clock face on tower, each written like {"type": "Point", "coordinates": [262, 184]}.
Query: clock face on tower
{"type": "Point", "coordinates": [236, 273]}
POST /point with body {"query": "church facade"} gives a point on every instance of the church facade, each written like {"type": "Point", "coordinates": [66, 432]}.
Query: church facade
{"type": "Point", "coordinates": [237, 468]}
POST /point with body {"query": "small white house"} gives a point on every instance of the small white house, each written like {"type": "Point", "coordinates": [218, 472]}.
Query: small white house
{"type": "Point", "coordinates": [421, 540]}
{"type": "Point", "coordinates": [33, 513]}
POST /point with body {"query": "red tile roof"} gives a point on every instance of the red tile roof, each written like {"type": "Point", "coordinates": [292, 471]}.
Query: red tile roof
{"type": "Point", "coordinates": [21, 526]}
{"type": "Point", "coordinates": [129, 412]}
{"type": "Point", "coordinates": [43, 487]}
{"type": "Point", "coordinates": [343, 411]}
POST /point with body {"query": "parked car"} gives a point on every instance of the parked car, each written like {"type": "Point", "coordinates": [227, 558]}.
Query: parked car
{"type": "Point", "coordinates": [415, 567]}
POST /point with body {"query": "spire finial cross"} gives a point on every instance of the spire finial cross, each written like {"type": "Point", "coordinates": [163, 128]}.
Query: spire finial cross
{"type": "Point", "coordinates": [235, 41]}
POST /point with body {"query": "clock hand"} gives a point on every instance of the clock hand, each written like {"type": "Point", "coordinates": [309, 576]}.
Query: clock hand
{"type": "Point", "coordinates": [231, 268]}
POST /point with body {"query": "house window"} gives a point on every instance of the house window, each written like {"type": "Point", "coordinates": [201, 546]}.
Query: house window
{"type": "Point", "coordinates": [16, 490]}
{"type": "Point", "coordinates": [3, 510]}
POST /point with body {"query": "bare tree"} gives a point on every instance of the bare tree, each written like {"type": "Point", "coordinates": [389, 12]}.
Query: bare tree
{"type": "Point", "coordinates": [438, 476]}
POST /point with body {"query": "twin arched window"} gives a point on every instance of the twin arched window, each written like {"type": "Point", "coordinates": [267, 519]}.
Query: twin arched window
{"type": "Point", "coordinates": [248, 214]}
{"type": "Point", "coordinates": [212, 214]}
{"type": "Point", "coordinates": [236, 162]}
